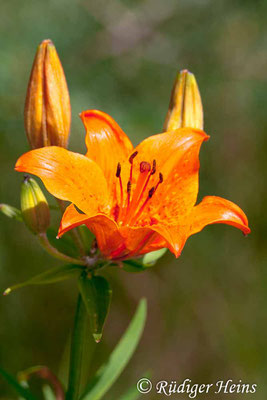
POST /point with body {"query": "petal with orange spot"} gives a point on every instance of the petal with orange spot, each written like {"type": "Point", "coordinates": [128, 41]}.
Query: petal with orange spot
{"type": "Point", "coordinates": [176, 155]}
{"type": "Point", "coordinates": [104, 228]}
{"type": "Point", "coordinates": [68, 176]}
{"type": "Point", "coordinates": [106, 142]}
{"type": "Point", "coordinates": [216, 210]}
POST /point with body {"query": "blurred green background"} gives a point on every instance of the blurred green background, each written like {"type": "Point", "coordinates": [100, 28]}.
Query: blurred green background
{"type": "Point", "coordinates": [207, 310]}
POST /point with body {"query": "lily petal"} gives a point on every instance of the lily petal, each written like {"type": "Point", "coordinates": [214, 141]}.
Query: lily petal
{"type": "Point", "coordinates": [68, 176]}
{"type": "Point", "coordinates": [176, 155]}
{"type": "Point", "coordinates": [104, 228]}
{"type": "Point", "coordinates": [216, 210]}
{"type": "Point", "coordinates": [174, 235]}
{"type": "Point", "coordinates": [114, 242]}
{"type": "Point", "coordinates": [106, 142]}
{"type": "Point", "coordinates": [71, 219]}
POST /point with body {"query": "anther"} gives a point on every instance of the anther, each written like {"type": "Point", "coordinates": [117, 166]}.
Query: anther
{"type": "Point", "coordinates": [118, 172]}
{"type": "Point", "coordinates": [154, 167]}
{"type": "Point", "coordinates": [132, 157]}
{"type": "Point", "coordinates": [151, 192]}
{"type": "Point", "coordinates": [129, 186]}
{"type": "Point", "coordinates": [160, 177]}
{"type": "Point", "coordinates": [145, 167]}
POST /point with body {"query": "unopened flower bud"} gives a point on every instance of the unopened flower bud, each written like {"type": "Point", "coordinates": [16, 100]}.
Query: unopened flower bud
{"type": "Point", "coordinates": [10, 211]}
{"type": "Point", "coordinates": [47, 113]}
{"type": "Point", "coordinates": [185, 109]}
{"type": "Point", "coordinates": [34, 207]}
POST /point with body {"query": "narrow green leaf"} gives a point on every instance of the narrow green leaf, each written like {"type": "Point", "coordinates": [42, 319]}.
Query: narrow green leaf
{"type": "Point", "coordinates": [23, 392]}
{"type": "Point", "coordinates": [96, 294]}
{"type": "Point", "coordinates": [119, 358]}
{"type": "Point", "coordinates": [50, 276]}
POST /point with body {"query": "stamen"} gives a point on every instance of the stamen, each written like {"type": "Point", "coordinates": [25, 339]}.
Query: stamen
{"type": "Point", "coordinates": [154, 167]}
{"type": "Point", "coordinates": [129, 187]}
{"type": "Point", "coordinates": [118, 172]}
{"type": "Point", "coordinates": [150, 194]}
{"type": "Point", "coordinates": [160, 180]}
{"type": "Point", "coordinates": [131, 158]}
{"type": "Point", "coordinates": [118, 175]}
{"type": "Point", "coordinates": [141, 183]}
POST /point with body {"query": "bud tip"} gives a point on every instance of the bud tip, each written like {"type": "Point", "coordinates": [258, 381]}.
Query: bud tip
{"type": "Point", "coordinates": [6, 292]}
{"type": "Point", "coordinates": [97, 337]}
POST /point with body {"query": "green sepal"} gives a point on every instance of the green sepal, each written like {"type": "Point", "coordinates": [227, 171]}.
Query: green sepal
{"type": "Point", "coordinates": [96, 294]}
{"type": "Point", "coordinates": [52, 275]}
{"type": "Point", "coordinates": [64, 244]}
{"type": "Point", "coordinates": [23, 392]}
{"type": "Point", "coordinates": [11, 212]}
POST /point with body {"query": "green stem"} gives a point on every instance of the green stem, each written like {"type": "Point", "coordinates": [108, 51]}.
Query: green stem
{"type": "Point", "coordinates": [55, 253]}
{"type": "Point", "coordinates": [77, 347]}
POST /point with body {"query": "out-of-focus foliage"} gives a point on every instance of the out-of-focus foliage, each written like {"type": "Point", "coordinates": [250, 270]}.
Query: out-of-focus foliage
{"type": "Point", "coordinates": [206, 310]}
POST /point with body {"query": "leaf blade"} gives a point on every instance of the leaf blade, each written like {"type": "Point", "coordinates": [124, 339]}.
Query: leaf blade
{"type": "Point", "coordinates": [96, 294]}
{"type": "Point", "coordinates": [119, 358]}
{"type": "Point", "coordinates": [52, 275]}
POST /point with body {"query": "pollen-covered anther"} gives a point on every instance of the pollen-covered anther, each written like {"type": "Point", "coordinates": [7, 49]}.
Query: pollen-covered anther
{"type": "Point", "coordinates": [151, 192]}
{"type": "Point", "coordinates": [118, 172]}
{"type": "Point", "coordinates": [131, 158]}
{"type": "Point", "coordinates": [154, 167]}
{"type": "Point", "coordinates": [118, 175]}
{"type": "Point", "coordinates": [129, 187]}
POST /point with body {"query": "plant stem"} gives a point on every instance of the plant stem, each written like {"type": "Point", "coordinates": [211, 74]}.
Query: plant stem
{"type": "Point", "coordinates": [77, 347]}
{"type": "Point", "coordinates": [55, 253]}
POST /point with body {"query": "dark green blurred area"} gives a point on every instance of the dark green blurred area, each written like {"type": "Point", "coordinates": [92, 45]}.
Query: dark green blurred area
{"type": "Point", "coordinates": [207, 310]}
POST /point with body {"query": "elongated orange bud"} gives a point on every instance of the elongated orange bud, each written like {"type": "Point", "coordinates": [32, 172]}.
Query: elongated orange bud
{"type": "Point", "coordinates": [185, 109]}
{"type": "Point", "coordinates": [47, 114]}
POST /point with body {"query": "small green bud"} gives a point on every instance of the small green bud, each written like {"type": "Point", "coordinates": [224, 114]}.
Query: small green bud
{"type": "Point", "coordinates": [34, 207]}
{"type": "Point", "coordinates": [11, 212]}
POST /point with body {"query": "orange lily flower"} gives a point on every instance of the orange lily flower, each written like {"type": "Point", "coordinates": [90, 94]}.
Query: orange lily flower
{"type": "Point", "coordinates": [134, 200]}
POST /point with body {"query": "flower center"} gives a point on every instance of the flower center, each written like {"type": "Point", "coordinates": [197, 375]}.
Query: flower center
{"type": "Point", "coordinates": [129, 209]}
